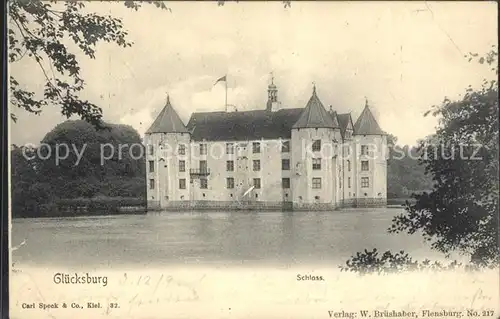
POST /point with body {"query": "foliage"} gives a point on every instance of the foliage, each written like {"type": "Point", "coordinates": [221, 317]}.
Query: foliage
{"type": "Point", "coordinates": [460, 213]}
{"type": "Point", "coordinates": [369, 262]}
{"type": "Point", "coordinates": [39, 183]}
{"type": "Point", "coordinates": [40, 30]}
{"type": "Point", "coordinates": [27, 193]}
{"type": "Point", "coordinates": [405, 175]}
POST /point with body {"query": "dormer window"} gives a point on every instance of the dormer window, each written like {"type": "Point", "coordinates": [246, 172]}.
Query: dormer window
{"type": "Point", "coordinates": [229, 148]}
{"type": "Point", "coordinates": [316, 146]}
{"type": "Point", "coordinates": [182, 149]}
{"type": "Point", "coordinates": [285, 147]}
{"type": "Point", "coordinates": [203, 149]}
{"type": "Point", "coordinates": [364, 149]}
{"type": "Point", "coordinates": [256, 147]}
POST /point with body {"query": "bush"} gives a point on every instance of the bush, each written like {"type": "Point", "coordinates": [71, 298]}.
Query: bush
{"type": "Point", "coordinates": [369, 262]}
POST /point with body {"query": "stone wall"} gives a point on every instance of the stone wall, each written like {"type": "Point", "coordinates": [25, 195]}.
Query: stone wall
{"type": "Point", "coordinates": [264, 206]}
{"type": "Point", "coordinates": [313, 207]}
{"type": "Point", "coordinates": [222, 206]}
{"type": "Point", "coordinates": [370, 202]}
{"type": "Point", "coordinates": [153, 205]}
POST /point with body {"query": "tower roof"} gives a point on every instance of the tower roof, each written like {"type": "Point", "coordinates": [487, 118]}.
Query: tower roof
{"type": "Point", "coordinates": [366, 124]}
{"type": "Point", "coordinates": [344, 120]}
{"type": "Point", "coordinates": [315, 115]}
{"type": "Point", "coordinates": [168, 121]}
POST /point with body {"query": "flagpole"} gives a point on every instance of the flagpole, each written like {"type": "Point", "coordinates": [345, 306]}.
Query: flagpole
{"type": "Point", "coordinates": [225, 82]}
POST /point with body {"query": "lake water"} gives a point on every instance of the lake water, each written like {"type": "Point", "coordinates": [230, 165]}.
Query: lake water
{"type": "Point", "coordinates": [228, 265]}
{"type": "Point", "coordinates": [220, 238]}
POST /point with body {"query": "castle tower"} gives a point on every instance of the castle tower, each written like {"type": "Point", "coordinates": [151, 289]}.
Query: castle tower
{"type": "Point", "coordinates": [371, 161]}
{"type": "Point", "coordinates": [167, 159]}
{"type": "Point", "coordinates": [314, 145]}
{"type": "Point", "coordinates": [272, 97]}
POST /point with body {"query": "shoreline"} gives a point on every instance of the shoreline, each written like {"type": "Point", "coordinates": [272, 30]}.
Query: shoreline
{"type": "Point", "coordinates": [208, 211]}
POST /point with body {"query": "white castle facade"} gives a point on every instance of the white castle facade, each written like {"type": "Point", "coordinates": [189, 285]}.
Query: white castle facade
{"type": "Point", "coordinates": [276, 158]}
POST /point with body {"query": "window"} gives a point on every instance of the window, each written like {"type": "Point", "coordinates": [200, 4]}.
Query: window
{"type": "Point", "coordinates": [203, 166]}
{"type": "Point", "coordinates": [364, 149]}
{"type": "Point", "coordinates": [151, 184]}
{"type": "Point", "coordinates": [316, 183]}
{"type": "Point", "coordinates": [365, 182]}
{"type": "Point", "coordinates": [285, 164]}
{"type": "Point", "coordinates": [256, 183]}
{"type": "Point", "coordinates": [347, 134]}
{"type": "Point", "coordinates": [316, 163]}
{"type": "Point", "coordinates": [256, 165]}
{"type": "Point", "coordinates": [285, 147]}
{"type": "Point", "coordinates": [364, 165]}
{"type": "Point", "coordinates": [151, 150]}
{"type": "Point", "coordinates": [316, 147]}
{"type": "Point", "coordinates": [182, 183]}
{"type": "Point", "coordinates": [182, 166]}
{"type": "Point", "coordinates": [182, 149]}
{"type": "Point", "coordinates": [349, 183]}
{"type": "Point", "coordinates": [203, 183]}
{"type": "Point", "coordinates": [256, 147]}
{"type": "Point", "coordinates": [340, 182]}
{"type": "Point", "coordinates": [151, 166]}
{"type": "Point", "coordinates": [348, 165]}
{"type": "Point", "coordinates": [229, 148]}
{"type": "Point", "coordinates": [203, 149]}
{"type": "Point", "coordinates": [230, 166]}
{"type": "Point", "coordinates": [285, 182]}
{"type": "Point", "coordinates": [230, 182]}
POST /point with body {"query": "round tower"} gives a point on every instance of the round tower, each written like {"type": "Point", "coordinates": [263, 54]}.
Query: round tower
{"type": "Point", "coordinates": [370, 161]}
{"type": "Point", "coordinates": [167, 160]}
{"type": "Point", "coordinates": [315, 166]}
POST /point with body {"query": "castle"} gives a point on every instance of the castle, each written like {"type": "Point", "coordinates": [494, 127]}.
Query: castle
{"type": "Point", "coordinates": [275, 158]}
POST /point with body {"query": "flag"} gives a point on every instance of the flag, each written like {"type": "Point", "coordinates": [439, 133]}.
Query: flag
{"type": "Point", "coordinates": [223, 79]}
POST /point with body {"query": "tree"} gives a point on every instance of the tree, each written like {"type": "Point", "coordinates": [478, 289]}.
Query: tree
{"type": "Point", "coordinates": [461, 211]}
{"type": "Point", "coordinates": [40, 30]}
{"type": "Point", "coordinates": [39, 182]}
{"type": "Point", "coordinates": [93, 162]}
{"type": "Point", "coordinates": [27, 192]}
{"type": "Point", "coordinates": [404, 170]}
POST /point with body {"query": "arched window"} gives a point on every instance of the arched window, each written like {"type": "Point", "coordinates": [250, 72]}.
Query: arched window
{"type": "Point", "coordinates": [348, 165]}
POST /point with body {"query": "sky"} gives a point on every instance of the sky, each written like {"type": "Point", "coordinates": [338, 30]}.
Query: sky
{"type": "Point", "coordinates": [403, 57]}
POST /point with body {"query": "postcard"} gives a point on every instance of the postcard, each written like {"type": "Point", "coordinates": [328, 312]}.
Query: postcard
{"type": "Point", "coordinates": [247, 159]}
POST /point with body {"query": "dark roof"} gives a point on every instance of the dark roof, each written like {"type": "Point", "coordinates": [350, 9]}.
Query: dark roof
{"type": "Point", "coordinates": [344, 120]}
{"type": "Point", "coordinates": [168, 121]}
{"type": "Point", "coordinates": [242, 126]}
{"type": "Point", "coordinates": [315, 115]}
{"type": "Point", "coordinates": [366, 124]}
